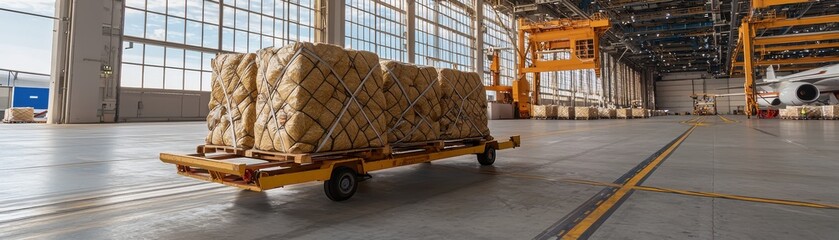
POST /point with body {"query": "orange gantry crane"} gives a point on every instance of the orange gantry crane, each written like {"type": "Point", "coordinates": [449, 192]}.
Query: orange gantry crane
{"type": "Point", "coordinates": [750, 44]}
{"type": "Point", "coordinates": [576, 41]}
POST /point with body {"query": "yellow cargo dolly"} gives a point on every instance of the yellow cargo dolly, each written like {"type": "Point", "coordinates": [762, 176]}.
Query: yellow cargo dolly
{"type": "Point", "coordinates": [340, 171]}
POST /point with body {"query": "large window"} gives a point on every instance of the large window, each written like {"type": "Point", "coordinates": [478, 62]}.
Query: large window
{"type": "Point", "coordinates": [444, 34]}
{"type": "Point", "coordinates": [377, 26]}
{"type": "Point", "coordinates": [27, 38]}
{"type": "Point", "coordinates": [169, 43]}
{"type": "Point", "coordinates": [496, 35]}
{"type": "Point", "coordinates": [154, 66]}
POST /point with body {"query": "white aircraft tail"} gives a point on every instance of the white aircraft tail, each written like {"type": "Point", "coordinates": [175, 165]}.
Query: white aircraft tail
{"type": "Point", "coordinates": [770, 73]}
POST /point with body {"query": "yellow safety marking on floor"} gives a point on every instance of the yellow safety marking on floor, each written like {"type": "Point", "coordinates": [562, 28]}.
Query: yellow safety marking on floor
{"type": "Point", "coordinates": [726, 120]}
{"type": "Point", "coordinates": [669, 190]}
{"type": "Point", "coordinates": [693, 121]}
{"type": "Point", "coordinates": [582, 226]}
{"type": "Point", "coordinates": [711, 194]}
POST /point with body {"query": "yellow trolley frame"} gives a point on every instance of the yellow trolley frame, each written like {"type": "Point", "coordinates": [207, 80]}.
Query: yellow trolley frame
{"type": "Point", "coordinates": [225, 165]}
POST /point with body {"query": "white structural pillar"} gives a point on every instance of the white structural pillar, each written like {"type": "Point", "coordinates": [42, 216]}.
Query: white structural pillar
{"type": "Point", "coordinates": [335, 12]}
{"type": "Point", "coordinates": [479, 38]}
{"type": "Point", "coordinates": [85, 61]}
{"type": "Point", "coordinates": [410, 34]}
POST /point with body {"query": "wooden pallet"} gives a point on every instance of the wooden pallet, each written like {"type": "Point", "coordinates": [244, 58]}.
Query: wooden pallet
{"type": "Point", "coordinates": [586, 118]}
{"type": "Point", "coordinates": [373, 153]}
{"type": "Point", "coordinates": [7, 121]}
{"type": "Point", "coordinates": [303, 158]}
{"type": "Point", "coordinates": [218, 148]}
{"type": "Point", "coordinates": [434, 146]}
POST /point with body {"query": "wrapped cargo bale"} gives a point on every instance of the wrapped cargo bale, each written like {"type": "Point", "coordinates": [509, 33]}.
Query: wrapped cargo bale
{"type": "Point", "coordinates": [585, 113]}
{"type": "Point", "coordinates": [412, 102]}
{"type": "Point", "coordinates": [624, 113]}
{"type": "Point", "coordinates": [232, 100]}
{"type": "Point", "coordinates": [639, 113]}
{"type": "Point", "coordinates": [790, 112]}
{"type": "Point", "coordinates": [464, 105]}
{"type": "Point", "coordinates": [606, 113]}
{"type": "Point", "coordinates": [540, 111]}
{"type": "Point", "coordinates": [551, 111]}
{"type": "Point", "coordinates": [318, 98]}
{"type": "Point", "coordinates": [19, 114]}
{"type": "Point", "coordinates": [564, 112]}
{"type": "Point", "coordinates": [830, 112]}
{"type": "Point", "coordinates": [812, 112]}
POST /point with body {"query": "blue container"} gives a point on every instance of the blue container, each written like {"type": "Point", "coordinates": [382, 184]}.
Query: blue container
{"type": "Point", "coordinates": [36, 98]}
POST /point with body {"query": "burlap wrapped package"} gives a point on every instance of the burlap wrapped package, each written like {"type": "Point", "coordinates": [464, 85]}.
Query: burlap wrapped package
{"type": "Point", "coordinates": [606, 113]}
{"type": "Point", "coordinates": [639, 113]}
{"type": "Point", "coordinates": [585, 113]}
{"type": "Point", "coordinates": [812, 112]}
{"type": "Point", "coordinates": [540, 111]}
{"type": "Point", "coordinates": [19, 114]}
{"type": "Point", "coordinates": [624, 113]}
{"type": "Point", "coordinates": [232, 100]}
{"type": "Point", "coordinates": [318, 98]}
{"type": "Point", "coordinates": [552, 111]}
{"type": "Point", "coordinates": [830, 112]}
{"type": "Point", "coordinates": [564, 112]}
{"type": "Point", "coordinates": [412, 102]}
{"type": "Point", "coordinates": [464, 105]}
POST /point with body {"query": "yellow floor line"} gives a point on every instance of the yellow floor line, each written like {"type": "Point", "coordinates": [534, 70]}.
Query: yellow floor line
{"type": "Point", "coordinates": [726, 120]}
{"type": "Point", "coordinates": [676, 191]}
{"type": "Point", "coordinates": [692, 120]}
{"type": "Point", "coordinates": [583, 225]}
{"type": "Point", "coordinates": [711, 194]}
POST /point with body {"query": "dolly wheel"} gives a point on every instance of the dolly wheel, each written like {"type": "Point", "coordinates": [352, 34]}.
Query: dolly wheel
{"type": "Point", "coordinates": [342, 185]}
{"type": "Point", "coordinates": [488, 157]}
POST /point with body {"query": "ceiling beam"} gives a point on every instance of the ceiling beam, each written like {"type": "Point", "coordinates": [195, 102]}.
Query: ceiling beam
{"type": "Point", "coordinates": [794, 38]}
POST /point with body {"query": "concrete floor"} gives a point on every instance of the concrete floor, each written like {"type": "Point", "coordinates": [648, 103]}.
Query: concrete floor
{"type": "Point", "coordinates": [105, 182]}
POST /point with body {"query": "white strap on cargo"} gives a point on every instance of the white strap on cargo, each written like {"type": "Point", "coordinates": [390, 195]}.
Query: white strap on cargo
{"type": "Point", "coordinates": [351, 99]}
{"type": "Point", "coordinates": [227, 100]}
{"type": "Point", "coordinates": [273, 90]}
{"type": "Point", "coordinates": [410, 105]}
{"type": "Point", "coordinates": [463, 102]}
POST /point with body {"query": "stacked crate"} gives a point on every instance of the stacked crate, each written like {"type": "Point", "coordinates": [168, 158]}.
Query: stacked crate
{"type": "Point", "coordinates": [540, 111]}
{"type": "Point", "coordinates": [811, 112]}
{"type": "Point", "coordinates": [624, 113]}
{"type": "Point", "coordinates": [639, 113]}
{"type": "Point", "coordinates": [801, 112]}
{"type": "Point", "coordinates": [551, 111]}
{"type": "Point", "coordinates": [585, 113]}
{"type": "Point", "coordinates": [830, 112]}
{"type": "Point", "coordinates": [563, 112]}
{"type": "Point", "coordinates": [19, 115]}
{"type": "Point", "coordinates": [607, 113]}
{"type": "Point", "coordinates": [786, 113]}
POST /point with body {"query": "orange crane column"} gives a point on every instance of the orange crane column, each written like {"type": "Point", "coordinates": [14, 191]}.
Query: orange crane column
{"type": "Point", "coordinates": [747, 35]}
{"type": "Point", "coordinates": [536, 90]}
{"type": "Point", "coordinates": [520, 84]}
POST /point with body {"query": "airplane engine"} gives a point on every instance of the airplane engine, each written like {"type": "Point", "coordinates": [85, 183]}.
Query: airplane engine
{"type": "Point", "coordinates": [798, 93]}
{"type": "Point", "coordinates": [768, 102]}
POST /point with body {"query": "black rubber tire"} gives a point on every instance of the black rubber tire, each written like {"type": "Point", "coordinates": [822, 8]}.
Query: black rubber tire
{"type": "Point", "coordinates": [488, 157]}
{"type": "Point", "coordinates": [341, 185]}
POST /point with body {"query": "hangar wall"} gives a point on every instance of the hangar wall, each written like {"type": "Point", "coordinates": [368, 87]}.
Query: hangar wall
{"type": "Point", "coordinates": [673, 91]}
